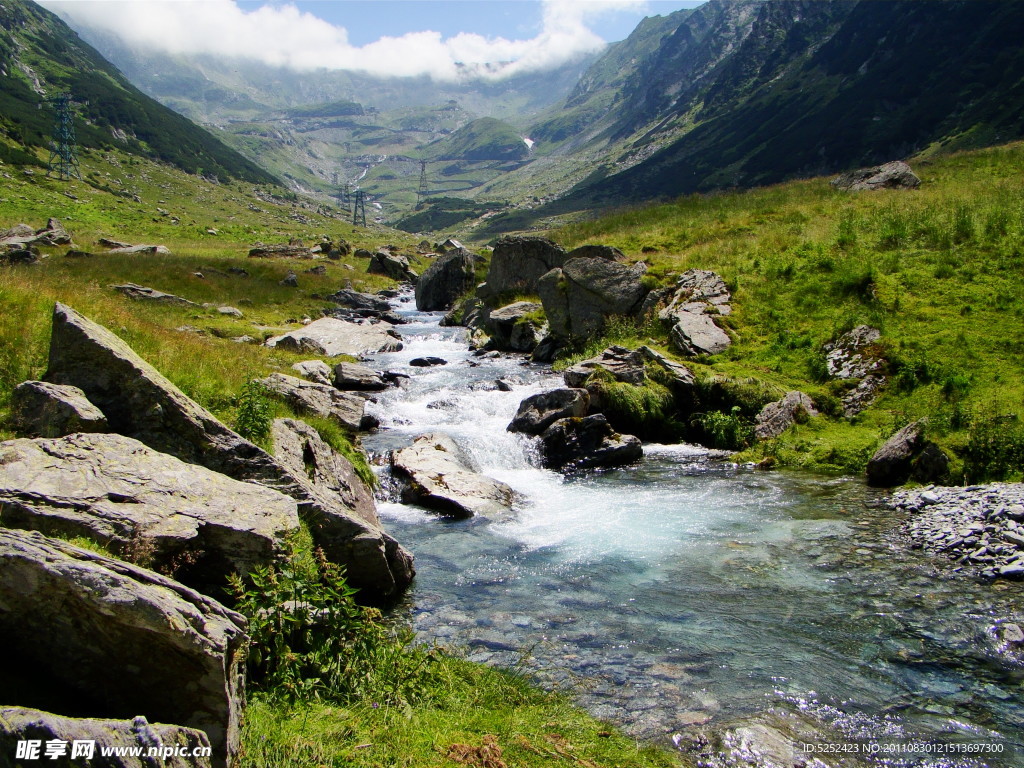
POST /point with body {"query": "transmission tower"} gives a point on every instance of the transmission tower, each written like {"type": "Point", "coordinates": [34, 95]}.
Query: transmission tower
{"type": "Point", "coordinates": [421, 193]}
{"type": "Point", "coordinates": [64, 146]}
{"type": "Point", "coordinates": [359, 209]}
{"type": "Point", "coordinates": [345, 197]}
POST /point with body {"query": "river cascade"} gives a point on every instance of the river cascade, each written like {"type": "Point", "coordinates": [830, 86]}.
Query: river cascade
{"type": "Point", "coordinates": [682, 591]}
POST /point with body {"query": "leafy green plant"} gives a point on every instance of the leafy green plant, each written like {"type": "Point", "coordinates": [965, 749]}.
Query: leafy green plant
{"type": "Point", "coordinates": [995, 449]}
{"type": "Point", "coordinates": [311, 640]}
{"type": "Point", "coordinates": [254, 413]}
{"type": "Point", "coordinates": [725, 430]}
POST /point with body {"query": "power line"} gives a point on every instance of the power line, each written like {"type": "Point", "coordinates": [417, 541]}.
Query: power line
{"type": "Point", "coordinates": [359, 209]}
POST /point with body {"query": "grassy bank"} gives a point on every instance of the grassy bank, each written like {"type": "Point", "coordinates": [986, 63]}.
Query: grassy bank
{"type": "Point", "coordinates": [937, 270]}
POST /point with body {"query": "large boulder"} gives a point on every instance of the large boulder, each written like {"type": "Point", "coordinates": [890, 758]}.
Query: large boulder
{"type": "Point", "coordinates": [440, 476]}
{"type": "Point", "coordinates": [23, 235]}
{"type": "Point", "coordinates": [42, 409]}
{"type": "Point", "coordinates": [87, 635]}
{"type": "Point", "coordinates": [538, 412]}
{"type": "Point", "coordinates": [622, 364]}
{"type": "Point", "coordinates": [149, 507]}
{"type": "Point", "coordinates": [450, 276]}
{"type": "Point", "coordinates": [314, 370]}
{"type": "Point", "coordinates": [514, 327]}
{"type": "Point", "coordinates": [351, 299]}
{"type": "Point", "coordinates": [894, 175]}
{"type": "Point", "coordinates": [139, 402]}
{"type": "Point", "coordinates": [355, 377]}
{"type": "Point", "coordinates": [580, 296]}
{"type": "Point", "coordinates": [699, 296]}
{"type": "Point", "coordinates": [518, 263]}
{"type": "Point", "coordinates": [905, 455]}
{"type": "Point", "coordinates": [332, 337]}
{"type": "Point", "coordinates": [776, 418]}
{"type": "Point", "coordinates": [857, 354]}
{"type": "Point", "coordinates": [300, 448]}
{"type": "Point", "coordinates": [587, 443]}
{"type": "Point", "coordinates": [174, 746]}
{"type": "Point", "coordinates": [393, 265]}
{"type": "Point", "coordinates": [318, 399]}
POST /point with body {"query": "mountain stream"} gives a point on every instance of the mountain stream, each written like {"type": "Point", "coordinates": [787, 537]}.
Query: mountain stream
{"type": "Point", "coordinates": [683, 590]}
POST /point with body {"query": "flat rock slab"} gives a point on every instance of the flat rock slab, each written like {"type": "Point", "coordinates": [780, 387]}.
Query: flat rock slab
{"type": "Point", "coordinates": [162, 250]}
{"type": "Point", "coordinates": [18, 724]}
{"type": "Point", "coordinates": [91, 634]}
{"type": "Point", "coordinates": [142, 293]}
{"type": "Point", "coordinates": [318, 399]}
{"type": "Point", "coordinates": [41, 409]}
{"type": "Point", "coordinates": [314, 370]}
{"type": "Point", "coordinates": [355, 377]}
{"type": "Point", "coordinates": [119, 493]}
{"type": "Point", "coordinates": [623, 364]}
{"type": "Point", "coordinates": [698, 334]}
{"type": "Point", "coordinates": [341, 337]}
{"type": "Point", "coordinates": [776, 418]}
{"type": "Point", "coordinates": [439, 476]}
{"type": "Point", "coordinates": [139, 402]}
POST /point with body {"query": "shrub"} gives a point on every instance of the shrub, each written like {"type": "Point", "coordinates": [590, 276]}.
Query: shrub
{"type": "Point", "coordinates": [995, 448]}
{"type": "Point", "coordinates": [725, 430]}
{"type": "Point", "coordinates": [254, 413]}
{"type": "Point", "coordinates": [311, 640]}
{"type": "Point", "coordinates": [647, 410]}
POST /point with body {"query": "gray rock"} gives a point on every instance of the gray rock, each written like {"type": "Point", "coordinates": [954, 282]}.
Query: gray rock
{"type": "Point", "coordinates": [362, 253]}
{"type": "Point", "coordinates": [21, 724]}
{"type": "Point", "coordinates": [511, 329]}
{"type": "Point", "coordinates": [280, 251]}
{"type": "Point", "coordinates": [355, 377]}
{"type": "Point", "coordinates": [596, 252]}
{"type": "Point", "coordinates": [894, 175]}
{"type": "Point", "coordinates": [139, 402]}
{"type": "Point", "coordinates": [450, 276]}
{"type": "Point", "coordinates": [439, 476]}
{"type": "Point", "coordinates": [623, 364]}
{"type": "Point", "coordinates": [851, 356]}
{"type": "Point", "coordinates": [332, 337]}
{"type": "Point", "coordinates": [587, 443]}
{"type": "Point", "coordinates": [230, 311]}
{"type": "Point", "coordinates": [110, 243]}
{"type": "Point", "coordinates": [698, 334]}
{"type": "Point", "coordinates": [894, 463]}
{"type": "Point", "coordinates": [427, 362]}
{"type": "Point", "coordinates": [346, 297]}
{"type": "Point", "coordinates": [23, 235]}
{"type": "Point", "coordinates": [701, 286]}
{"type": "Point", "coordinates": [318, 399]}
{"type": "Point", "coordinates": [863, 395]}
{"type": "Point", "coordinates": [393, 265]}
{"type": "Point", "coordinates": [518, 263]}
{"type": "Point", "coordinates": [699, 296]}
{"type": "Point", "coordinates": [132, 250]}
{"type": "Point", "coordinates": [177, 517]}
{"type": "Point", "coordinates": [291, 280]}
{"type": "Point", "coordinates": [776, 418]}
{"type": "Point", "coordinates": [538, 412]}
{"type": "Point", "coordinates": [580, 296]}
{"type": "Point", "coordinates": [300, 448]}
{"type": "Point", "coordinates": [676, 376]}
{"type": "Point", "coordinates": [41, 409]}
{"type": "Point", "coordinates": [142, 293]}
{"type": "Point", "coordinates": [87, 633]}
{"type": "Point", "coordinates": [314, 370]}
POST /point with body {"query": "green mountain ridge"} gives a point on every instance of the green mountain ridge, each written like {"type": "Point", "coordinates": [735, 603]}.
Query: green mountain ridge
{"type": "Point", "coordinates": [41, 57]}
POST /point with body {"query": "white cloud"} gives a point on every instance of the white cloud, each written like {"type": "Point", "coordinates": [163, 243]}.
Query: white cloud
{"type": "Point", "coordinates": [282, 35]}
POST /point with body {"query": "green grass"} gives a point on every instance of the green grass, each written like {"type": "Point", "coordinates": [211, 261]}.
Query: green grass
{"type": "Point", "coordinates": [938, 270]}
{"type": "Point", "coordinates": [468, 706]}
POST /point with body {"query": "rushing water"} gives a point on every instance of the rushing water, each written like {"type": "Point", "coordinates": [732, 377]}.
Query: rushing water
{"type": "Point", "coordinates": [682, 590]}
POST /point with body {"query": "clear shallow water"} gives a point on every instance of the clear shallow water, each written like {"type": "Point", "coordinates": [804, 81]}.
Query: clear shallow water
{"type": "Point", "coordinates": [683, 589]}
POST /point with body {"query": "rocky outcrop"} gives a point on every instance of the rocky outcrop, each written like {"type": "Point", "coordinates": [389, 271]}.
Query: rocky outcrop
{"type": "Point", "coordinates": [699, 296]}
{"type": "Point", "coordinates": [41, 409]}
{"type": "Point", "coordinates": [133, 250]}
{"type": "Point", "coordinates": [332, 337]}
{"type": "Point", "coordinates": [358, 378]}
{"type": "Point", "coordinates": [69, 618]}
{"type": "Point", "coordinates": [280, 251]}
{"type": "Point", "coordinates": [514, 327]}
{"type": "Point", "coordinates": [518, 263]}
{"type": "Point", "coordinates": [450, 276]}
{"type": "Point", "coordinates": [905, 455]}
{"type": "Point", "coordinates": [183, 519]}
{"type": "Point", "coordinates": [439, 476]}
{"type": "Point", "coordinates": [314, 370]}
{"type": "Point", "coordinates": [981, 526]}
{"type": "Point", "coordinates": [895, 175]}
{"type": "Point", "coordinates": [23, 236]}
{"type": "Point", "coordinates": [776, 418]}
{"type": "Point", "coordinates": [587, 443]}
{"type": "Point", "coordinates": [170, 742]}
{"type": "Point", "coordinates": [857, 355]}
{"type": "Point", "coordinates": [139, 402]}
{"type": "Point", "coordinates": [300, 448]}
{"type": "Point", "coordinates": [538, 412]}
{"type": "Point", "coordinates": [393, 265]}
{"type": "Point", "coordinates": [580, 296]}
{"type": "Point", "coordinates": [622, 364]}
{"type": "Point", "coordinates": [350, 299]}
{"type": "Point", "coordinates": [318, 399]}
{"type": "Point", "coordinates": [142, 293]}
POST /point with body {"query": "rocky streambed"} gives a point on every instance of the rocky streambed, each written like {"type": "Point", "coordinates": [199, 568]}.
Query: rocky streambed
{"type": "Point", "coordinates": [683, 594]}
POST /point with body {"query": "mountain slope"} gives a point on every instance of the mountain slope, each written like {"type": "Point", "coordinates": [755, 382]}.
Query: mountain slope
{"type": "Point", "coordinates": [41, 57]}
{"type": "Point", "coordinates": [842, 85]}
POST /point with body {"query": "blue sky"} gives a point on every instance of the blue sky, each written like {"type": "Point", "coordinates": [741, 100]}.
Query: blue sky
{"type": "Point", "coordinates": [444, 39]}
